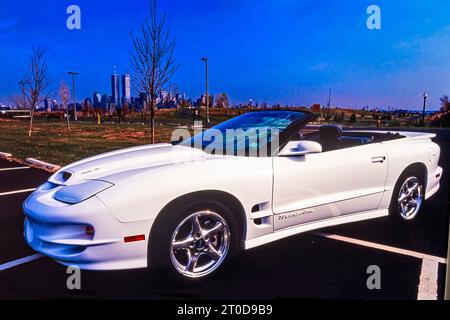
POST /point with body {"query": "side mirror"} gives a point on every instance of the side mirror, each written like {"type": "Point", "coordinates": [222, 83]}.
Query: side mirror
{"type": "Point", "coordinates": [300, 148]}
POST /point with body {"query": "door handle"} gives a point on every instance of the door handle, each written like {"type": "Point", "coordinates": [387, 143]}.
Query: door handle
{"type": "Point", "coordinates": [378, 159]}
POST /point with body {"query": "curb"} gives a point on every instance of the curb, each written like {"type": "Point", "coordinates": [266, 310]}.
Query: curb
{"type": "Point", "coordinates": [5, 155]}
{"type": "Point", "coordinates": [42, 164]}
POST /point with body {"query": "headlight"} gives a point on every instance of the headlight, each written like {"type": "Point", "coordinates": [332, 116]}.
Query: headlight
{"type": "Point", "coordinates": [80, 192]}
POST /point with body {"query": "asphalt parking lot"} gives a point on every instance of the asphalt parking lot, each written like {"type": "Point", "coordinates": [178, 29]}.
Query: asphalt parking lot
{"type": "Point", "coordinates": [331, 263]}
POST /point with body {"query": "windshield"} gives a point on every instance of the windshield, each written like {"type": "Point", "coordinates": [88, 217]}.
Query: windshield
{"type": "Point", "coordinates": [251, 134]}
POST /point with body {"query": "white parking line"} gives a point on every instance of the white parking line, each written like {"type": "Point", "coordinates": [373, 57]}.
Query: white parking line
{"type": "Point", "coordinates": [20, 261]}
{"type": "Point", "coordinates": [383, 247]}
{"type": "Point", "coordinates": [16, 191]}
{"type": "Point", "coordinates": [428, 284]}
{"type": "Point", "coordinates": [14, 168]}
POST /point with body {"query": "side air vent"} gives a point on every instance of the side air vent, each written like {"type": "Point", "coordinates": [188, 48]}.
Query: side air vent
{"type": "Point", "coordinates": [262, 215]}
{"type": "Point", "coordinates": [258, 221]}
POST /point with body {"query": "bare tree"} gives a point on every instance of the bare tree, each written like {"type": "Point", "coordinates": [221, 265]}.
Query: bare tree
{"type": "Point", "coordinates": [19, 101]}
{"type": "Point", "coordinates": [171, 95]}
{"type": "Point", "coordinates": [64, 94]}
{"type": "Point", "coordinates": [36, 80]}
{"type": "Point", "coordinates": [222, 101]}
{"type": "Point", "coordinates": [22, 103]}
{"type": "Point", "coordinates": [152, 59]}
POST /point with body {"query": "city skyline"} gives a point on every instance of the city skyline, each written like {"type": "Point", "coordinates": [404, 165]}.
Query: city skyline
{"type": "Point", "coordinates": [287, 52]}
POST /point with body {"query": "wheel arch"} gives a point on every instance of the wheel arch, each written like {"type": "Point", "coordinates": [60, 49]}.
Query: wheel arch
{"type": "Point", "coordinates": [420, 167]}
{"type": "Point", "coordinates": [224, 198]}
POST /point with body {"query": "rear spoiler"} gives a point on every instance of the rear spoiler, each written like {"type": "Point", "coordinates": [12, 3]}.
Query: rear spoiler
{"type": "Point", "coordinates": [418, 135]}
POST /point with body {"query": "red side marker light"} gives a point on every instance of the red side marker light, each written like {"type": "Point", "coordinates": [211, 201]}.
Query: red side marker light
{"type": "Point", "coordinates": [138, 237]}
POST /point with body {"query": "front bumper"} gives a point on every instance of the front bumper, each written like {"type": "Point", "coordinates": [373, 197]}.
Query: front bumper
{"type": "Point", "coordinates": [58, 230]}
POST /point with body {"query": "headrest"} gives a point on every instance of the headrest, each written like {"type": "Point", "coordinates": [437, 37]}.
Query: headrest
{"type": "Point", "coordinates": [330, 132]}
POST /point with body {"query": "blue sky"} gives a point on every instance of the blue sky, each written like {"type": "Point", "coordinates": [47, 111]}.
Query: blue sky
{"type": "Point", "coordinates": [278, 51]}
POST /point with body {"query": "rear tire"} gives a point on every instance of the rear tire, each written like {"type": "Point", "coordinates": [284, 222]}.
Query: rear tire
{"type": "Point", "coordinates": [193, 242]}
{"type": "Point", "coordinates": [408, 197]}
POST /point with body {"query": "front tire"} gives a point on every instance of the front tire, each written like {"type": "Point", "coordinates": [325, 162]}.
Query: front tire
{"type": "Point", "coordinates": [193, 242]}
{"type": "Point", "coordinates": [408, 197]}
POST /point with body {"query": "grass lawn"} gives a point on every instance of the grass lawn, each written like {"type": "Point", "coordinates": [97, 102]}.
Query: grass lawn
{"type": "Point", "coordinates": [51, 142]}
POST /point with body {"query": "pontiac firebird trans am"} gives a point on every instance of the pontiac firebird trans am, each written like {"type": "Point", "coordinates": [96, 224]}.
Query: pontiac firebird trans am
{"type": "Point", "coordinates": [186, 208]}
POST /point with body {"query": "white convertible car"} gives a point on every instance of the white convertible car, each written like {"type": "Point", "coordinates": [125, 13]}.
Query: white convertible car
{"type": "Point", "coordinates": [187, 208]}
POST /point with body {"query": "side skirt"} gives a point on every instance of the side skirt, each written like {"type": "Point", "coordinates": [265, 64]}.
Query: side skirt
{"type": "Point", "coordinates": [252, 243]}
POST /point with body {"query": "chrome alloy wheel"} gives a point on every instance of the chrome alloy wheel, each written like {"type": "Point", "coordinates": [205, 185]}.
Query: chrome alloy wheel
{"type": "Point", "coordinates": [410, 198]}
{"type": "Point", "coordinates": [199, 244]}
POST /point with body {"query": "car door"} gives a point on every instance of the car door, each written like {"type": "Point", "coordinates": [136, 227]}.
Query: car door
{"type": "Point", "coordinates": [328, 185]}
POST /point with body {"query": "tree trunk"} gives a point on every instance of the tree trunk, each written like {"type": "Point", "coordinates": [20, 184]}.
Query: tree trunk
{"type": "Point", "coordinates": [31, 122]}
{"type": "Point", "coordinates": [67, 116]}
{"type": "Point", "coordinates": [152, 126]}
{"type": "Point", "coordinates": [152, 119]}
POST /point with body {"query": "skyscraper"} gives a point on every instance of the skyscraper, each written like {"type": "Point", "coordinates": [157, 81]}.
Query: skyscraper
{"type": "Point", "coordinates": [104, 102]}
{"type": "Point", "coordinates": [115, 89]}
{"type": "Point", "coordinates": [48, 104]}
{"type": "Point", "coordinates": [97, 98]}
{"type": "Point", "coordinates": [142, 100]}
{"type": "Point", "coordinates": [87, 105]}
{"type": "Point", "coordinates": [126, 88]}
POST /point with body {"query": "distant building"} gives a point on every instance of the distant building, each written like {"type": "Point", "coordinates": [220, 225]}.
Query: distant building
{"type": "Point", "coordinates": [201, 102]}
{"type": "Point", "coordinates": [104, 102]}
{"type": "Point", "coordinates": [55, 106]}
{"type": "Point", "coordinates": [142, 100]}
{"type": "Point", "coordinates": [96, 98]}
{"type": "Point", "coordinates": [115, 97]}
{"type": "Point", "coordinates": [126, 89]}
{"type": "Point", "coordinates": [87, 104]}
{"type": "Point", "coordinates": [163, 95]}
{"type": "Point", "coordinates": [78, 106]}
{"type": "Point", "coordinates": [48, 104]}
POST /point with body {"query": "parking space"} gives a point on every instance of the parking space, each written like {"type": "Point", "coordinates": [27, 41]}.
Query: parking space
{"type": "Point", "coordinates": [331, 263]}
{"type": "Point", "coordinates": [14, 179]}
{"type": "Point", "coordinates": [15, 185]}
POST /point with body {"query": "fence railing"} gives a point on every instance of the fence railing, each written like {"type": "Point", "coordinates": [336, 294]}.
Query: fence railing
{"type": "Point", "coordinates": [15, 114]}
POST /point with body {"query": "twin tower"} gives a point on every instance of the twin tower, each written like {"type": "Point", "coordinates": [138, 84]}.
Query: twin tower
{"type": "Point", "coordinates": [125, 96]}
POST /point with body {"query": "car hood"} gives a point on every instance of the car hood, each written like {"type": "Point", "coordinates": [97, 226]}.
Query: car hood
{"type": "Point", "coordinates": [121, 161]}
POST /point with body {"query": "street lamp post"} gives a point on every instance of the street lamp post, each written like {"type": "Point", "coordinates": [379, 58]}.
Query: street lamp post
{"type": "Point", "coordinates": [250, 104]}
{"type": "Point", "coordinates": [207, 96]}
{"type": "Point", "coordinates": [73, 74]}
{"type": "Point", "coordinates": [425, 96]}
